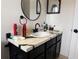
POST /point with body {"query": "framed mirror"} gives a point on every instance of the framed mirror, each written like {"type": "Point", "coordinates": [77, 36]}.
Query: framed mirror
{"type": "Point", "coordinates": [31, 9]}
{"type": "Point", "coordinates": [53, 6]}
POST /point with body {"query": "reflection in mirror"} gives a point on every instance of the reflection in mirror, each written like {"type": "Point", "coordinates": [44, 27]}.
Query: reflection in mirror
{"type": "Point", "coordinates": [38, 7]}
{"type": "Point", "coordinates": [29, 9]}
{"type": "Point", "coordinates": [53, 6]}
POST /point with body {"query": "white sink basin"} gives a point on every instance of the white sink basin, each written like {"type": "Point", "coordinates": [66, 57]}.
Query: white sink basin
{"type": "Point", "coordinates": [55, 32]}
{"type": "Point", "coordinates": [41, 34]}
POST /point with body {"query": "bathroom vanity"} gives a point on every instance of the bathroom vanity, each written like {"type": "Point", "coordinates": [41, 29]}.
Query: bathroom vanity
{"type": "Point", "coordinates": [36, 48]}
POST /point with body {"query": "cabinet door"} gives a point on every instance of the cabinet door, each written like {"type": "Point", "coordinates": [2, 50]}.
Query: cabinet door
{"type": "Point", "coordinates": [21, 56]}
{"type": "Point", "coordinates": [12, 51]}
{"type": "Point", "coordinates": [36, 52]}
{"type": "Point", "coordinates": [16, 53]}
{"type": "Point", "coordinates": [40, 57]}
{"type": "Point", "coordinates": [51, 52]}
{"type": "Point", "coordinates": [58, 48]}
{"type": "Point", "coordinates": [51, 42]}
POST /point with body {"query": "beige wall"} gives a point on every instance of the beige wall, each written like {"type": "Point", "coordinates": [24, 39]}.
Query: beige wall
{"type": "Point", "coordinates": [11, 11]}
{"type": "Point", "coordinates": [64, 22]}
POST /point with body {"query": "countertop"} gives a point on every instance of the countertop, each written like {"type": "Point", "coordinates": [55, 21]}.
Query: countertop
{"type": "Point", "coordinates": [30, 43]}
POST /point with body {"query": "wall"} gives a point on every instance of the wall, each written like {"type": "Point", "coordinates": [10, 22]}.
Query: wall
{"type": "Point", "coordinates": [63, 22]}
{"type": "Point", "coordinates": [10, 14]}
{"type": "Point", "coordinates": [11, 10]}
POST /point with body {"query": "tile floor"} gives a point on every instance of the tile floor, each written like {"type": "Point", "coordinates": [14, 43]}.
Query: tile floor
{"type": "Point", "coordinates": [62, 57]}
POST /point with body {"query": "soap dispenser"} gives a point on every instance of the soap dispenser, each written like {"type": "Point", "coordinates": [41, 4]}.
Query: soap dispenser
{"type": "Point", "coordinates": [24, 30]}
{"type": "Point", "coordinates": [15, 29]}
{"type": "Point", "coordinates": [45, 26]}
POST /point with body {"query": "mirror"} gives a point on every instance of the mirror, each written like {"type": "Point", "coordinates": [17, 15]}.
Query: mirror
{"type": "Point", "coordinates": [38, 11]}
{"type": "Point", "coordinates": [31, 9]}
{"type": "Point", "coordinates": [53, 6]}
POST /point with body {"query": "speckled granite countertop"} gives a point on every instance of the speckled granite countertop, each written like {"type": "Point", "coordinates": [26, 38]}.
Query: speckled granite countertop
{"type": "Point", "coordinates": [30, 43]}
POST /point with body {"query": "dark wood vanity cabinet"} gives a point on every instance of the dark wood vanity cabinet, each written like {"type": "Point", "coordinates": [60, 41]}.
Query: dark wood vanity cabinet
{"type": "Point", "coordinates": [58, 44]}
{"type": "Point", "coordinates": [58, 49]}
{"type": "Point", "coordinates": [16, 53]}
{"type": "Point", "coordinates": [37, 53]}
{"type": "Point", "coordinates": [51, 52]}
{"type": "Point", "coordinates": [48, 50]}
{"type": "Point", "coordinates": [53, 47]}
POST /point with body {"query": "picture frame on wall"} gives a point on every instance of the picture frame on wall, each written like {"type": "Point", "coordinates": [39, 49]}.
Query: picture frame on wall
{"type": "Point", "coordinates": [53, 6]}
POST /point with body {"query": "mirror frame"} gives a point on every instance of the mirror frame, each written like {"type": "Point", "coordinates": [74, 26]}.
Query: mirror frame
{"type": "Point", "coordinates": [54, 12]}
{"type": "Point", "coordinates": [36, 11]}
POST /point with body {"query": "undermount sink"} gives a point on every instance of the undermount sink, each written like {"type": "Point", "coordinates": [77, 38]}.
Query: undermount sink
{"type": "Point", "coordinates": [41, 34]}
{"type": "Point", "coordinates": [45, 34]}
{"type": "Point", "coordinates": [55, 32]}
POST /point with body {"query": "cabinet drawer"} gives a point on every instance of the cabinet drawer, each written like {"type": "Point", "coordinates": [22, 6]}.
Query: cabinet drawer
{"type": "Point", "coordinates": [37, 51]}
{"type": "Point", "coordinates": [59, 37]}
{"type": "Point", "coordinates": [51, 42]}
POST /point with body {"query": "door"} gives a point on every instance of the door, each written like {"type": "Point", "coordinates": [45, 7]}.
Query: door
{"type": "Point", "coordinates": [74, 42]}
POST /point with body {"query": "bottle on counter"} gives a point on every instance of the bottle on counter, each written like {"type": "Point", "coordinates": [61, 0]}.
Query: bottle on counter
{"type": "Point", "coordinates": [15, 29]}
{"type": "Point", "coordinates": [45, 26]}
{"type": "Point", "coordinates": [24, 30]}
{"type": "Point", "coordinates": [51, 28]}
